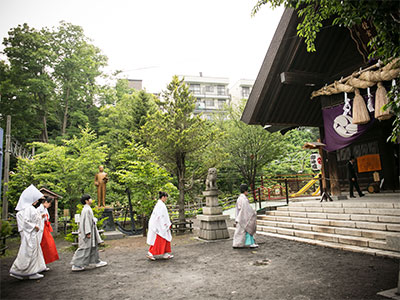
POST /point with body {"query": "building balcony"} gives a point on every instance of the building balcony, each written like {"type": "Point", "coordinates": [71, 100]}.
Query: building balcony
{"type": "Point", "coordinates": [219, 95]}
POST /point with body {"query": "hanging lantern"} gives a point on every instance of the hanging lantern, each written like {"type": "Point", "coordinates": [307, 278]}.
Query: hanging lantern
{"type": "Point", "coordinates": [360, 112]}
{"type": "Point", "coordinates": [381, 100]}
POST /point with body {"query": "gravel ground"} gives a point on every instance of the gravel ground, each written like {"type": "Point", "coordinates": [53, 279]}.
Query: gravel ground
{"type": "Point", "coordinates": [278, 269]}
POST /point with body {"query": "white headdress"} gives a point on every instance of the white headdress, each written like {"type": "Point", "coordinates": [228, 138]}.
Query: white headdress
{"type": "Point", "coordinates": [28, 196]}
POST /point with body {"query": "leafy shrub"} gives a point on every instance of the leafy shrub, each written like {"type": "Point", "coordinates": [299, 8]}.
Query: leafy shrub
{"type": "Point", "coordinates": [5, 228]}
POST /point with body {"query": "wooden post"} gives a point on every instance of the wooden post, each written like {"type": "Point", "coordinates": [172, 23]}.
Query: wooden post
{"type": "Point", "coordinates": [287, 192]}
{"type": "Point", "coordinates": [333, 173]}
{"type": "Point", "coordinates": [322, 169]}
{"type": "Point", "coordinates": [6, 168]}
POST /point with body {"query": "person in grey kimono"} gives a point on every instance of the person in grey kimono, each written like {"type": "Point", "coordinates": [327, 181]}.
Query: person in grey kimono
{"type": "Point", "coordinates": [89, 238]}
{"type": "Point", "coordinates": [246, 218]}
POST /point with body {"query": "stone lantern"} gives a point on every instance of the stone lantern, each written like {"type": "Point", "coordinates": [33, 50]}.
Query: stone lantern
{"type": "Point", "coordinates": [212, 221]}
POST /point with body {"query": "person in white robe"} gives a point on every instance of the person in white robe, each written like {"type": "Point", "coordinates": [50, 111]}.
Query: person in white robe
{"type": "Point", "coordinates": [159, 230]}
{"type": "Point", "coordinates": [29, 262]}
{"type": "Point", "coordinates": [47, 242]}
{"type": "Point", "coordinates": [89, 238]}
{"type": "Point", "coordinates": [246, 218]}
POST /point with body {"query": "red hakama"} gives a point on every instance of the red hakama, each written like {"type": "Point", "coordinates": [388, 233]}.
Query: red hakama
{"type": "Point", "coordinates": [48, 245]}
{"type": "Point", "coordinates": [160, 247]}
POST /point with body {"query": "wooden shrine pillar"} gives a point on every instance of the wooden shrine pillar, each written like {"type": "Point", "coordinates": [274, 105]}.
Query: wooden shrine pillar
{"type": "Point", "coordinates": [333, 174]}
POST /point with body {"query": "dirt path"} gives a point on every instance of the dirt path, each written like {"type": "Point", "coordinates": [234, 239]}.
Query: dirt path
{"type": "Point", "coordinates": [279, 269]}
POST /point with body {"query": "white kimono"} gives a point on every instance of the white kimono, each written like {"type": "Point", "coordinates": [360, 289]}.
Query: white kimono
{"type": "Point", "coordinates": [246, 219]}
{"type": "Point", "coordinates": [159, 224]}
{"type": "Point", "coordinates": [30, 259]}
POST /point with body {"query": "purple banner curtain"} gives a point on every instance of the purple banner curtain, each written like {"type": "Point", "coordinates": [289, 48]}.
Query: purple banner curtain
{"type": "Point", "coordinates": [339, 130]}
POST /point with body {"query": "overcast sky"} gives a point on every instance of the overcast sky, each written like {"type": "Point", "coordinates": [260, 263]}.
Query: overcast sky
{"type": "Point", "coordinates": [154, 39]}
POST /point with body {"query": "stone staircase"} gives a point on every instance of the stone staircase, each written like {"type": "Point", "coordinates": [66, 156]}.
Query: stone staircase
{"type": "Point", "coordinates": [359, 226]}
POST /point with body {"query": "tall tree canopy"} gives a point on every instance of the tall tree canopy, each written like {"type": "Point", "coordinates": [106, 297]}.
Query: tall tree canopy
{"type": "Point", "coordinates": [28, 77]}
{"type": "Point", "coordinates": [119, 124]}
{"type": "Point", "coordinates": [249, 148]}
{"type": "Point", "coordinates": [48, 81]}
{"type": "Point", "coordinates": [175, 135]}
{"type": "Point", "coordinates": [76, 66]}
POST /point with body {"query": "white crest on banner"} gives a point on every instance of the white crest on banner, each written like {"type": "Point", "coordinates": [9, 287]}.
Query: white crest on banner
{"type": "Point", "coordinates": [343, 124]}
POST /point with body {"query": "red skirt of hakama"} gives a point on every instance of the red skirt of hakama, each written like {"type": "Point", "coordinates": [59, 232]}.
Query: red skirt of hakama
{"type": "Point", "coordinates": [161, 246]}
{"type": "Point", "coordinates": [48, 245]}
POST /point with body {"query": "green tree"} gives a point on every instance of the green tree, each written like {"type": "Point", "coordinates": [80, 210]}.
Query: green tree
{"type": "Point", "coordinates": [120, 123]}
{"type": "Point", "coordinates": [144, 177]}
{"type": "Point", "coordinates": [29, 80]}
{"type": "Point", "coordinates": [48, 82]}
{"type": "Point", "coordinates": [384, 15]}
{"type": "Point", "coordinates": [175, 135]}
{"type": "Point", "coordinates": [24, 123]}
{"type": "Point", "coordinates": [294, 159]}
{"type": "Point", "coordinates": [249, 148]}
{"type": "Point", "coordinates": [68, 170]}
{"type": "Point", "coordinates": [76, 67]}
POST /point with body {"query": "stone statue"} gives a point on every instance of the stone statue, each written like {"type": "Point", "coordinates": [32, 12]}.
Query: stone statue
{"type": "Point", "coordinates": [212, 221]}
{"type": "Point", "coordinates": [211, 181]}
{"type": "Point", "coordinates": [100, 180]}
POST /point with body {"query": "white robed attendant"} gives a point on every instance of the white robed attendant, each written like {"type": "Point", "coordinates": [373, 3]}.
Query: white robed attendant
{"type": "Point", "coordinates": [29, 262]}
{"type": "Point", "coordinates": [159, 230]}
{"type": "Point", "coordinates": [245, 219]}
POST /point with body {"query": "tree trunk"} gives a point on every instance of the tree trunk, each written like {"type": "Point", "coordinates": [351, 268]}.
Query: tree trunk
{"type": "Point", "coordinates": [253, 179]}
{"type": "Point", "coordinates": [45, 136]}
{"type": "Point", "coordinates": [64, 125]}
{"type": "Point", "coordinates": [180, 163]}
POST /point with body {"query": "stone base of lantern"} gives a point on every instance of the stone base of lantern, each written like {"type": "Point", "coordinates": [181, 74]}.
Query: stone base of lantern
{"type": "Point", "coordinates": [213, 227]}
{"type": "Point", "coordinates": [212, 221]}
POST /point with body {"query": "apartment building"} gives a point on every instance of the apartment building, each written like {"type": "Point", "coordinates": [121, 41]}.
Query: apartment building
{"type": "Point", "coordinates": [212, 94]}
{"type": "Point", "coordinates": [135, 84]}
{"type": "Point", "coordinates": [241, 90]}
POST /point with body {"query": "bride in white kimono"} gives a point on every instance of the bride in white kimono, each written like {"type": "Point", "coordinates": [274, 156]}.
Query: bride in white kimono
{"type": "Point", "coordinates": [246, 219]}
{"type": "Point", "coordinates": [29, 262]}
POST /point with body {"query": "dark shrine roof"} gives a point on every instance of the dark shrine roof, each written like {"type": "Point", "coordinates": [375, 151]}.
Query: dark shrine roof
{"type": "Point", "coordinates": [44, 190]}
{"type": "Point", "coordinates": [282, 90]}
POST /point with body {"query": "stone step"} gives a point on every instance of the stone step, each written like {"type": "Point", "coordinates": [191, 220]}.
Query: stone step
{"type": "Point", "coordinates": [328, 237]}
{"type": "Point", "coordinates": [342, 210]}
{"type": "Point", "coordinates": [347, 204]}
{"type": "Point", "coordinates": [113, 235]}
{"type": "Point", "coordinates": [368, 233]}
{"type": "Point", "coordinates": [340, 246]}
{"type": "Point", "coordinates": [336, 216]}
{"type": "Point", "coordinates": [354, 223]}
